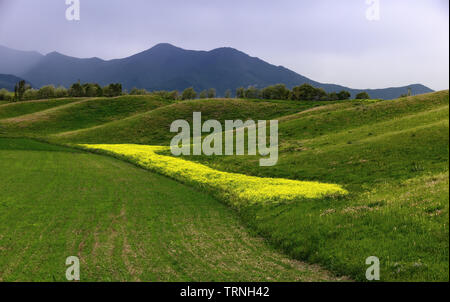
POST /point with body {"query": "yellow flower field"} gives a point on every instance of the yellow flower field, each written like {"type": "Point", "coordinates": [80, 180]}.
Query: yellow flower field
{"type": "Point", "coordinates": [237, 188]}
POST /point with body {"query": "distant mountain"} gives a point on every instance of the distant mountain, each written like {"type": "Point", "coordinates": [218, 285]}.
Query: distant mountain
{"type": "Point", "coordinates": [17, 62]}
{"type": "Point", "coordinates": [8, 81]}
{"type": "Point", "coordinates": [166, 67]}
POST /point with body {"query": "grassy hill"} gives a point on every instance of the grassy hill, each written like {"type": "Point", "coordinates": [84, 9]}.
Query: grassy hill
{"type": "Point", "coordinates": [391, 156]}
{"type": "Point", "coordinates": [152, 127]}
{"type": "Point", "coordinates": [80, 114]}
{"type": "Point", "coordinates": [10, 110]}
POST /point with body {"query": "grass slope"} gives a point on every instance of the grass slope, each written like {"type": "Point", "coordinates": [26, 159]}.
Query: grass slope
{"type": "Point", "coordinates": [9, 110]}
{"type": "Point", "coordinates": [393, 157]}
{"type": "Point", "coordinates": [152, 127]}
{"type": "Point", "coordinates": [78, 115]}
{"type": "Point", "coordinates": [124, 223]}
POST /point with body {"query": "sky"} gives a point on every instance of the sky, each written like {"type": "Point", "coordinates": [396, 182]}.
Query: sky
{"type": "Point", "coordinates": [346, 42]}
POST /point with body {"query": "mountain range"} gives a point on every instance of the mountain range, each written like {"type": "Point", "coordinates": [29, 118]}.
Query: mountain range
{"type": "Point", "coordinates": [167, 67]}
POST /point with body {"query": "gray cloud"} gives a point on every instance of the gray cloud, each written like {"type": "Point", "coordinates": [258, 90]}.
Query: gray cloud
{"type": "Point", "coordinates": [327, 40]}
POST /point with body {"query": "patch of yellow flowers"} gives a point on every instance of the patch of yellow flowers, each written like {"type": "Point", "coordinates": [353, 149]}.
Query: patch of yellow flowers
{"type": "Point", "coordinates": [237, 188]}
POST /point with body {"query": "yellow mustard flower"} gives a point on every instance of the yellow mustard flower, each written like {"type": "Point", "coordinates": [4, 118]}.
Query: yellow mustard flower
{"type": "Point", "coordinates": [237, 188]}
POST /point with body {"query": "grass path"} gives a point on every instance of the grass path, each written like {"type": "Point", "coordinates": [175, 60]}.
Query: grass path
{"type": "Point", "coordinates": [125, 224]}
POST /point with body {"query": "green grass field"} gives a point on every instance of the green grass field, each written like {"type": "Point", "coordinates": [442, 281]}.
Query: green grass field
{"type": "Point", "coordinates": [124, 223]}
{"type": "Point", "coordinates": [391, 156]}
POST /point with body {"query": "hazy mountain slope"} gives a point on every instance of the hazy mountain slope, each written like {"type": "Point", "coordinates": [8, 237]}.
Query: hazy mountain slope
{"type": "Point", "coordinates": [17, 62]}
{"type": "Point", "coordinates": [8, 81]}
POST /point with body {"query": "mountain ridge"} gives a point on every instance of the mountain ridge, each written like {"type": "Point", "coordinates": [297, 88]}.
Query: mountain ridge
{"type": "Point", "coordinates": [168, 67]}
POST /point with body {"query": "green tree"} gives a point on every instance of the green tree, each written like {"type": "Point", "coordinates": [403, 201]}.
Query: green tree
{"type": "Point", "coordinates": [188, 94]}
{"type": "Point", "coordinates": [228, 94]}
{"type": "Point", "coordinates": [116, 88]}
{"type": "Point", "coordinates": [76, 90]}
{"type": "Point", "coordinates": [203, 94]}
{"type": "Point", "coordinates": [362, 96]}
{"type": "Point", "coordinates": [99, 90]}
{"type": "Point", "coordinates": [136, 91]}
{"type": "Point", "coordinates": [303, 92]}
{"type": "Point", "coordinates": [19, 90]}
{"type": "Point", "coordinates": [280, 92]}
{"type": "Point", "coordinates": [31, 94]}
{"type": "Point", "coordinates": [61, 92]}
{"type": "Point", "coordinates": [240, 93]}
{"type": "Point", "coordinates": [5, 95]}
{"type": "Point", "coordinates": [343, 95]}
{"type": "Point", "coordinates": [267, 92]}
{"type": "Point", "coordinates": [112, 90]}
{"type": "Point", "coordinates": [333, 96]}
{"type": "Point", "coordinates": [252, 93]}
{"type": "Point", "coordinates": [92, 90]}
{"type": "Point", "coordinates": [173, 95]}
{"type": "Point", "coordinates": [211, 93]}
{"type": "Point", "coordinates": [46, 92]}
{"type": "Point", "coordinates": [307, 92]}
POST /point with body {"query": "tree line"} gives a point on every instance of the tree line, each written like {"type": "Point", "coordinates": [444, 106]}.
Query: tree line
{"type": "Point", "coordinates": [23, 91]}
{"type": "Point", "coordinates": [304, 92]}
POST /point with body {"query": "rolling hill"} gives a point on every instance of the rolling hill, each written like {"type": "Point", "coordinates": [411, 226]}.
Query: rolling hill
{"type": "Point", "coordinates": [391, 156]}
{"type": "Point", "coordinates": [55, 116]}
{"type": "Point", "coordinates": [166, 67]}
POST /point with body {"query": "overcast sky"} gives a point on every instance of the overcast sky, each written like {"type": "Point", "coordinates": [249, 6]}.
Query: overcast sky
{"type": "Point", "coordinates": [326, 40]}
